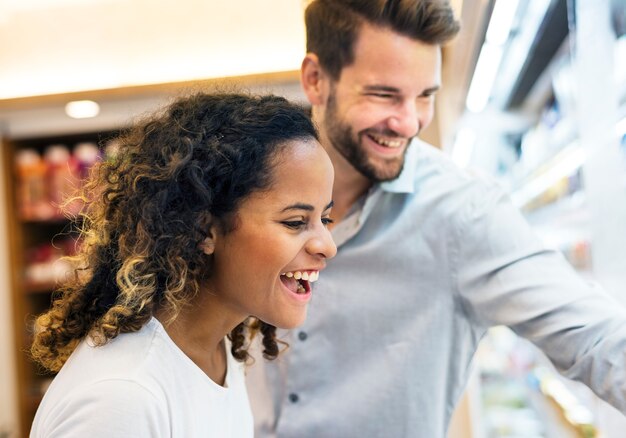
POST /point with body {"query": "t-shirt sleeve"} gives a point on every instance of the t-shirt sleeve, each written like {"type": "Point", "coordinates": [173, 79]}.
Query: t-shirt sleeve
{"type": "Point", "coordinates": [110, 408]}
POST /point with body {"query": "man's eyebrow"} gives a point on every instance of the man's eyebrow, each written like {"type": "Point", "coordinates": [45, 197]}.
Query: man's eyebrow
{"type": "Point", "coordinates": [431, 90]}
{"type": "Point", "coordinates": [306, 207]}
{"type": "Point", "coordinates": [383, 88]}
{"type": "Point", "coordinates": [388, 89]}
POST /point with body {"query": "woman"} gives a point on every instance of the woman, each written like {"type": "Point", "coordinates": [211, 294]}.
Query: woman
{"type": "Point", "coordinates": [208, 226]}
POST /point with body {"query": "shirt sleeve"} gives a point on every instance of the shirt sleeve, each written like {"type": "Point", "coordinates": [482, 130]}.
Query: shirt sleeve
{"type": "Point", "coordinates": [506, 276]}
{"type": "Point", "coordinates": [110, 408]}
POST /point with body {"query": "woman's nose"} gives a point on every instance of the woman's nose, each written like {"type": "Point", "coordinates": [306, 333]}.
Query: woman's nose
{"type": "Point", "coordinates": [322, 244]}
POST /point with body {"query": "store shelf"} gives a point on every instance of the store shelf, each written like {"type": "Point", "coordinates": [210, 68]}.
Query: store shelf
{"type": "Point", "coordinates": [570, 211]}
{"type": "Point", "coordinates": [542, 143]}
{"type": "Point", "coordinates": [54, 220]}
{"type": "Point", "coordinates": [572, 413]}
{"type": "Point", "coordinates": [39, 288]}
{"type": "Point", "coordinates": [549, 179]}
{"type": "Point", "coordinates": [524, 397]}
{"type": "Point", "coordinates": [40, 237]}
{"type": "Point", "coordinates": [549, 175]}
{"type": "Point", "coordinates": [556, 423]}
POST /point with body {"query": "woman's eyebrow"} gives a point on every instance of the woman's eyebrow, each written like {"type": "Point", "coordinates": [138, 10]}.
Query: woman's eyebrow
{"type": "Point", "coordinates": [299, 206]}
{"type": "Point", "coordinates": [306, 207]}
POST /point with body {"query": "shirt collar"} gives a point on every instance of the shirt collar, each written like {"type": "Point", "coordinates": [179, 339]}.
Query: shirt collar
{"type": "Point", "coordinates": [405, 183]}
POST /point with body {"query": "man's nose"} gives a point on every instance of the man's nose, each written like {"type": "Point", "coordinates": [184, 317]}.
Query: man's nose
{"type": "Point", "coordinates": [406, 120]}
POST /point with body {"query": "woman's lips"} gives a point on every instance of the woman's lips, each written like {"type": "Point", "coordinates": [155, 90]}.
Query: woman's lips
{"type": "Point", "coordinates": [299, 282]}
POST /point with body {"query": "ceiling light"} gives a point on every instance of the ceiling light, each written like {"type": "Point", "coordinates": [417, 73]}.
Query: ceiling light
{"type": "Point", "coordinates": [82, 109]}
{"type": "Point", "coordinates": [484, 76]}
{"type": "Point", "coordinates": [501, 21]}
{"type": "Point", "coordinates": [490, 55]}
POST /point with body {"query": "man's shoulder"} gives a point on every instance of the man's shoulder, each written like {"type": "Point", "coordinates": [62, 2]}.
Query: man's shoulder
{"type": "Point", "coordinates": [433, 166]}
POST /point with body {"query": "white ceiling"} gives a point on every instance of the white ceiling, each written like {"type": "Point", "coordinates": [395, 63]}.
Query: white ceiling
{"type": "Point", "coordinates": [67, 46]}
{"type": "Point", "coordinates": [109, 49]}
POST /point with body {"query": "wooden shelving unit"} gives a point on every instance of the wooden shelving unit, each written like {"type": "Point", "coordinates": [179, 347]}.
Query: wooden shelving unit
{"type": "Point", "coordinates": [31, 297]}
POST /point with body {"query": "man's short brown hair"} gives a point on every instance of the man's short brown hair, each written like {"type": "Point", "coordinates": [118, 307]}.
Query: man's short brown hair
{"type": "Point", "coordinates": [332, 26]}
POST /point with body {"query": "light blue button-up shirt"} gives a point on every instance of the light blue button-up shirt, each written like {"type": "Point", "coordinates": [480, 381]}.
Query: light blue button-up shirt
{"type": "Point", "coordinates": [426, 264]}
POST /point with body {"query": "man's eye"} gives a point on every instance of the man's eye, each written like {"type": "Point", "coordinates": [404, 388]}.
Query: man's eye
{"type": "Point", "coordinates": [294, 224]}
{"type": "Point", "coordinates": [381, 95]}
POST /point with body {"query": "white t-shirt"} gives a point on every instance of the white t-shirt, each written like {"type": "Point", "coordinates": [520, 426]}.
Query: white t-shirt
{"type": "Point", "coordinates": [142, 385]}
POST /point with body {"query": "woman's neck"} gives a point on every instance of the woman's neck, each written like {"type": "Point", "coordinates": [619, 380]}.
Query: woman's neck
{"type": "Point", "coordinates": [199, 331]}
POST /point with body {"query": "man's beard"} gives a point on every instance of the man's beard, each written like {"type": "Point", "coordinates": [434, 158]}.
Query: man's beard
{"type": "Point", "coordinates": [347, 144]}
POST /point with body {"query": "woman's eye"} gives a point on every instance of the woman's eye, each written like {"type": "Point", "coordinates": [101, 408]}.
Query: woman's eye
{"type": "Point", "coordinates": [327, 221]}
{"type": "Point", "coordinates": [294, 224]}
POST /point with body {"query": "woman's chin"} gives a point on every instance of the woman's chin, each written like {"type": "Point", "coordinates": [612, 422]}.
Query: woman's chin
{"type": "Point", "coordinates": [291, 322]}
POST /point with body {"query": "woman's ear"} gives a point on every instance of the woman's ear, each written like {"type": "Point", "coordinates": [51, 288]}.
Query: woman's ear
{"type": "Point", "coordinates": [313, 79]}
{"type": "Point", "coordinates": [208, 244]}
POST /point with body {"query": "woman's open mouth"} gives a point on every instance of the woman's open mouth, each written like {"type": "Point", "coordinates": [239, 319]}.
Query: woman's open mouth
{"type": "Point", "coordinates": [299, 282]}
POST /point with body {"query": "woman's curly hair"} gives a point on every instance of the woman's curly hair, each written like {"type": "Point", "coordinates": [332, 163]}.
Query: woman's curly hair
{"type": "Point", "coordinates": [148, 209]}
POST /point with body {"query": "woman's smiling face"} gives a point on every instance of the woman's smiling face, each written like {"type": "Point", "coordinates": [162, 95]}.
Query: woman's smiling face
{"type": "Point", "coordinates": [279, 236]}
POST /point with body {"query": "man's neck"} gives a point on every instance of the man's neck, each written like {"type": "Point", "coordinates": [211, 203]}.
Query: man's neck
{"type": "Point", "coordinates": [349, 184]}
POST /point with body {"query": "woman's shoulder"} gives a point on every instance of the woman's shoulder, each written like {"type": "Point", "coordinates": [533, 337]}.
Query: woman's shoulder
{"type": "Point", "coordinates": [103, 407]}
{"type": "Point", "coordinates": [119, 356]}
{"type": "Point", "coordinates": [103, 378]}
{"type": "Point", "coordinates": [123, 359]}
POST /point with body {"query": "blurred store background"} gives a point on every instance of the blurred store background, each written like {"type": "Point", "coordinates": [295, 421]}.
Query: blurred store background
{"type": "Point", "coordinates": [534, 95]}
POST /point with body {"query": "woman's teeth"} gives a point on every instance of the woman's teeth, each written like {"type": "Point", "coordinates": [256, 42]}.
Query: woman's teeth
{"type": "Point", "coordinates": [303, 275]}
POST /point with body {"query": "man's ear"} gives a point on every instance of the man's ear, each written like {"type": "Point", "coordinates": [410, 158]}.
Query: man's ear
{"type": "Point", "coordinates": [208, 244]}
{"type": "Point", "coordinates": [313, 79]}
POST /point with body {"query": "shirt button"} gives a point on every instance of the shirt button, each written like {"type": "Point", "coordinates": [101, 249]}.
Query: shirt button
{"type": "Point", "coordinates": [302, 336]}
{"type": "Point", "coordinates": [293, 398]}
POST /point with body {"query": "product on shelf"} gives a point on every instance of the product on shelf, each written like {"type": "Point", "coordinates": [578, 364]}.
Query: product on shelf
{"type": "Point", "coordinates": [61, 174]}
{"type": "Point", "coordinates": [574, 412]}
{"type": "Point", "coordinates": [45, 264]}
{"type": "Point", "coordinates": [46, 171]}
{"type": "Point", "coordinates": [47, 186]}
{"type": "Point", "coordinates": [522, 395]}
{"type": "Point", "coordinates": [31, 187]}
{"type": "Point", "coordinates": [86, 154]}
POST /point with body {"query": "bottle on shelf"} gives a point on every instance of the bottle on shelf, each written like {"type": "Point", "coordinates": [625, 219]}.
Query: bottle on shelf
{"type": "Point", "coordinates": [86, 155]}
{"type": "Point", "coordinates": [61, 176]}
{"type": "Point", "coordinates": [31, 186]}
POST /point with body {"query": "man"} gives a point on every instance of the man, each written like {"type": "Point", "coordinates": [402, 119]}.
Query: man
{"type": "Point", "coordinates": [428, 259]}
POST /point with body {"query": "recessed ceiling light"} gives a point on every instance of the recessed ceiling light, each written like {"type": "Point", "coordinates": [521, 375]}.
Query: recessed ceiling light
{"type": "Point", "coordinates": [82, 109]}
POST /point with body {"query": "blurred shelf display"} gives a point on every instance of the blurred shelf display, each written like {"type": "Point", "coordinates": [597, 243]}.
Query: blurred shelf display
{"type": "Point", "coordinates": [555, 179]}
{"type": "Point", "coordinates": [45, 181]}
{"type": "Point", "coordinates": [45, 173]}
{"type": "Point", "coordinates": [524, 397]}
{"type": "Point", "coordinates": [554, 185]}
